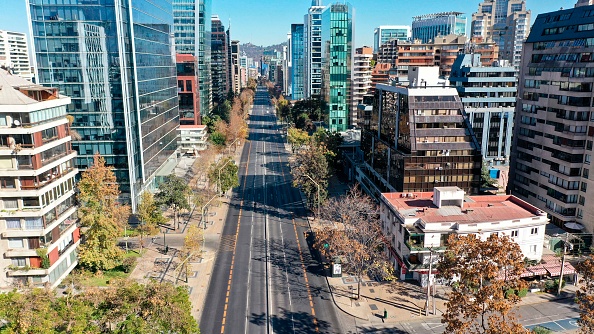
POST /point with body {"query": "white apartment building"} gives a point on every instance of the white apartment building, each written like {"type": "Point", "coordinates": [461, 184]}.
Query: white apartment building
{"type": "Point", "coordinates": [14, 53]}
{"type": "Point", "coordinates": [418, 224]}
{"type": "Point", "coordinates": [361, 80]}
{"type": "Point", "coordinates": [192, 138]}
{"type": "Point", "coordinates": [39, 232]}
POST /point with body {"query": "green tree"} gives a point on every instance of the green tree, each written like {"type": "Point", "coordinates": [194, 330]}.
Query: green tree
{"type": "Point", "coordinates": [297, 138]}
{"type": "Point", "coordinates": [311, 163]}
{"type": "Point", "coordinates": [102, 217]}
{"type": "Point", "coordinates": [174, 193]}
{"type": "Point", "coordinates": [218, 138]}
{"type": "Point", "coordinates": [30, 312]}
{"type": "Point", "coordinates": [332, 142]}
{"type": "Point", "coordinates": [486, 270]}
{"type": "Point", "coordinates": [224, 174]}
{"type": "Point", "coordinates": [585, 296]}
{"type": "Point", "coordinates": [486, 180]}
{"type": "Point", "coordinates": [150, 216]}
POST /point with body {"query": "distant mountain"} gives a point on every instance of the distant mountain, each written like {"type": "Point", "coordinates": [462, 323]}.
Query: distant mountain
{"type": "Point", "coordinates": [256, 51]}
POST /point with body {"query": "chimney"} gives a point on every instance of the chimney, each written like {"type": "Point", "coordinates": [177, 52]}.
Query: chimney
{"type": "Point", "coordinates": [581, 3]}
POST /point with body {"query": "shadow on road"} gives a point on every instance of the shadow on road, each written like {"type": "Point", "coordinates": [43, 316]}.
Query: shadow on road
{"type": "Point", "coordinates": [292, 322]}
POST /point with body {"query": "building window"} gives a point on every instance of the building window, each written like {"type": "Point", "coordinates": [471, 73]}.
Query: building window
{"type": "Point", "coordinates": [586, 173]}
{"type": "Point", "coordinates": [188, 85]}
{"type": "Point", "coordinates": [514, 233]}
{"type": "Point", "coordinates": [13, 224]}
{"type": "Point", "coordinates": [19, 262]}
{"type": "Point", "coordinates": [11, 204]}
{"type": "Point", "coordinates": [534, 231]}
{"type": "Point", "coordinates": [33, 223]}
{"type": "Point", "coordinates": [533, 249]}
{"type": "Point", "coordinates": [399, 245]}
{"type": "Point", "coordinates": [584, 187]}
{"type": "Point", "coordinates": [15, 243]}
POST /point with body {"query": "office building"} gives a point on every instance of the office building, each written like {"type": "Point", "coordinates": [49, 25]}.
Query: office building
{"type": "Point", "coordinates": [417, 138]}
{"type": "Point", "coordinates": [489, 97]}
{"type": "Point", "coordinates": [507, 23]}
{"type": "Point", "coordinates": [552, 144]}
{"type": "Point", "coordinates": [192, 139]}
{"type": "Point", "coordinates": [384, 34]}
{"type": "Point", "coordinates": [297, 62]}
{"type": "Point", "coordinates": [39, 233]}
{"type": "Point", "coordinates": [337, 56]}
{"type": "Point", "coordinates": [192, 28]}
{"type": "Point", "coordinates": [219, 64]}
{"type": "Point", "coordinates": [14, 53]}
{"type": "Point", "coordinates": [361, 80]}
{"type": "Point", "coordinates": [121, 78]}
{"type": "Point", "coordinates": [427, 27]}
{"type": "Point", "coordinates": [417, 226]}
{"type": "Point", "coordinates": [187, 90]}
{"type": "Point", "coordinates": [312, 39]}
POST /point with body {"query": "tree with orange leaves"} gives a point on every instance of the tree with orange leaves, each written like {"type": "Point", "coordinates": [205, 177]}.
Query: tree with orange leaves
{"type": "Point", "coordinates": [102, 217]}
{"type": "Point", "coordinates": [484, 272]}
{"type": "Point", "coordinates": [585, 296]}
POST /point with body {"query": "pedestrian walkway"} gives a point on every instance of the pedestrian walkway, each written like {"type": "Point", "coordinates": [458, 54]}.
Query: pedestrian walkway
{"type": "Point", "coordinates": [157, 265]}
{"type": "Point", "coordinates": [403, 301]}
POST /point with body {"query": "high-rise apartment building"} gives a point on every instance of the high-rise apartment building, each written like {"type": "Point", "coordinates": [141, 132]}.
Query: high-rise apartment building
{"type": "Point", "coordinates": [234, 69]}
{"type": "Point", "coordinates": [384, 34]}
{"type": "Point", "coordinates": [312, 39]}
{"type": "Point", "coordinates": [14, 52]}
{"type": "Point", "coordinates": [361, 80]}
{"type": "Point", "coordinates": [193, 27]}
{"type": "Point", "coordinates": [442, 51]}
{"type": "Point", "coordinates": [553, 134]}
{"type": "Point", "coordinates": [427, 27]}
{"type": "Point", "coordinates": [507, 22]}
{"type": "Point", "coordinates": [297, 62]}
{"type": "Point", "coordinates": [418, 137]}
{"type": "Point", "coordinates": [337, 55]}
{"type": "Point", "coordinates": [39, 233]}
{"type": "Point", "coordinates": [489, 97]}
{"type": "Point", "coordinates": [219, 64]}
{"type": "Point", "coordinates": [117, 65]}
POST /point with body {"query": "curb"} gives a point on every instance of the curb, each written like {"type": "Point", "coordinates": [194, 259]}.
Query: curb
{"type": "Point", "coordinates": [336, 304]}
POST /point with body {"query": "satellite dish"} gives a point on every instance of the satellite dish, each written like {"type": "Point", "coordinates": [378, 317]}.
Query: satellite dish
{"type": "Point", "coordinates": [16, 122]}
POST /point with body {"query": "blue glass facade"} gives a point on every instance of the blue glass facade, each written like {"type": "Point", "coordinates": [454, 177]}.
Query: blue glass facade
{"type": "Point", "coordinates": [427, 27]}
{"type": "Point", "coordinates": [297, 61]}
{"type": "Point", "coordinates": [384, 34]}
{"type": "Point", "coordinates": [117, 64]}
{"type": "Point", "coordinates": [337, 55]}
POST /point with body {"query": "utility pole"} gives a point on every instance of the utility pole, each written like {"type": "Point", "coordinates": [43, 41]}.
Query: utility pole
{"type": "Point", "coordinates": [429, 281]}
{"type": "Point", "coordinates": [563, 262]}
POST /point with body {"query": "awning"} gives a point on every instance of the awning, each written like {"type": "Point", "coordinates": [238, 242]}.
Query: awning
{"type": "Point", "coordinates": [555, 270]}
{"type": "Point", "coordinates": [527, 273]}
{"type": "Point", "coordinates": [538, 270]}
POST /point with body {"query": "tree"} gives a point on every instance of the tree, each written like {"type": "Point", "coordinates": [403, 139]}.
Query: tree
{"type": "Point", "coordinates": [217, 138]}
{"type": "Point", "coordinates": [486, 180]}
{"type": "Point", "coordinates": [332, 141]}
{"type": "Point", "coordinates": [585, 296]}
{"type": "Point", "coordinates": [297, 138]}
{"type": "Point", "coordinates": [224, 174]}
{"type": "Point", "coordinates": [310, 162]}
{"type": "Point", "coordinates": [150, 216]}
{"type": "Point", "coordinates": [193, 242]}
{"type": "Point", "coordinates": [485, 271]}
{"type": "Point", "coordinates": [201, 166]}
{"type": "Point", "coordinates": [174, 193]}
{"type": "Point", "coordinates": [237, 128]}
{"type": "Point", "coordinates": [102, 217]}
{"type": "Point", "coordinates": [350, 230]}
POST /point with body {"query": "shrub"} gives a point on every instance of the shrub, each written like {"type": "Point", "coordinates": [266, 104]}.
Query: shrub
{"type": "Point", "coordinates": [128, 264]}
{"type": "Point", "coordinates": [522, 292]}
{"type": "Point", "coordinates": [541, 330]}
{"type": "Point", "coordinates": [509, 293]}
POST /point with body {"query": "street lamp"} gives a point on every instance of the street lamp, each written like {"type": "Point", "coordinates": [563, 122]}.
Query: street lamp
{"type": "Point", "coordinates": [204, 222]}
{"type": "Point", "coordinates": [219, 184]}
{"type": "Point", "coordinates": [312, 180]}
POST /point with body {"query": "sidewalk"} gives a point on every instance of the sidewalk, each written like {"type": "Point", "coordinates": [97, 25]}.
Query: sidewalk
{"type": "Point", "coordinates": [403, 300]}
{"type": "Point", "coordinates": [154, 264]}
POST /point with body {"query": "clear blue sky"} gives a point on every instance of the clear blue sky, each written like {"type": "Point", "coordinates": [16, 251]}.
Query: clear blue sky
{"type": "Point", "coordinates": [266, 22]}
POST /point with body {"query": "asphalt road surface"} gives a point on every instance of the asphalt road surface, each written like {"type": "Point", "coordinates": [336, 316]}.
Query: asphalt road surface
{"type": "Point", "coordinates": [264, 279]}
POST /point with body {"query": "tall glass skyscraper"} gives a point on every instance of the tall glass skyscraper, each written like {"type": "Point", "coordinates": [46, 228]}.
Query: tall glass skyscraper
{"type": "Point", "coordinates": [312, 31]}
{"type": "Point", "coordinates": [117, 64]}
{"type": "Point", "coordinates": [384, 34]}
{"type": "Point", "coordinates": [337, 55]}
{"type": "Point", "coordinates": [297, 53]}
{"type": "Point", "coordinates": [193, 27]}
{"type": "Point", "coordinates": [427, 27]}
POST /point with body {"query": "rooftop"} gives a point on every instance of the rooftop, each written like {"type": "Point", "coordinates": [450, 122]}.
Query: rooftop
{"type": "Point", "coordinates": [193, 127]}
{"type": "Point", "coordinates": [15, 90]}
{"type": "Point", "coordinates": [475, 209]}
